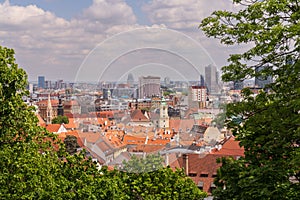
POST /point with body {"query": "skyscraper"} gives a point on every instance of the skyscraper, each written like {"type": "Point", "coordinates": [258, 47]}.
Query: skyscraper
{"type": "Point", "coordinates": [201, 81]}
{"type": "Point", "coordinates": [149, 86]}
{"type": "Point", "coordinates": [211, 79]}
{"type": "Point", "coordinates": [41, 82]}
{"type": "Point", "coordinates": [130, 80]}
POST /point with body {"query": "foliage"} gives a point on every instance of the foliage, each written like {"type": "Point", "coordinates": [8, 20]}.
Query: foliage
{"type": "Point", "coordinates": [146, 178]}
{"type": "Point", "coordinates": [150, 163]}
{"type": "Point", "coordinates": [269, 129]}
{"type": "Point", "coordinates": [60, 120]}
{"type": "Point", "coordinates": [71, 144]}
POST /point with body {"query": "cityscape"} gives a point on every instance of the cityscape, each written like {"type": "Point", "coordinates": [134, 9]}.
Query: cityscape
{"type": "Point", "coordinates": [150, 99]}
{"type": "Point", "coordinates": [145, 115]}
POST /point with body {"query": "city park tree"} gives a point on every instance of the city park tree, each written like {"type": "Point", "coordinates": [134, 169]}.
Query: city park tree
{"type": "Point", "coordinates": [60, 120]}
{"type": "Point", "coordinates": [35, 165]}
{"type": "Point", "coordinates": [269, 128]}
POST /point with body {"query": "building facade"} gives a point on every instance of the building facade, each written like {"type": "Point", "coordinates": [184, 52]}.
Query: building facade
{"type": "Point", "coordinates": [197, 96]}
{"type": "Point", "coordinates": [211, 79]}
{"type": "Point", "coordinates": [149, 87]}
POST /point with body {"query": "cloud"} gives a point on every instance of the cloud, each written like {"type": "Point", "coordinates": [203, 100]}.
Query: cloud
{"type": "Point", "coordinates": [56, 47]}
{"type": "Point", "coordinates": [45, 43]}
{"type": "Point", "coordinates": [178, 14]}
{"type": "Point", "coordinates": [185, 16]}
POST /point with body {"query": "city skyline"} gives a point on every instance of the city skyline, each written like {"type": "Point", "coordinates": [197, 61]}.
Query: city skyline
{"type": "Point", "coordinates": [56, 38]}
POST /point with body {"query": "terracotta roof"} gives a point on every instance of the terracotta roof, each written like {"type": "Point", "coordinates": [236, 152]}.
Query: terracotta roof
{"type": "Point", "coordinates": [41, 121]}
{"type": "Point", "coordinates": [146, 148]}
{"type": "Point", "coordinates": [129, 139]}
{"type": "Point", "coordinates": [53, 128]}
{"type": "Point", "coordinates": [231, 147]}
{"type": "Point", "coordinates": [182, 124]}
{"type": "Point", "coordinates": [203, 167]}
{"type": "Point", "coordinates": [89, 136]}
{"type": "Point", "coordinates": [54, 102]}
{"type": "Point", "coordinates": [138, 116]}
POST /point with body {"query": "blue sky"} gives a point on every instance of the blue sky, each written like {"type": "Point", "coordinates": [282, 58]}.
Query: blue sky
{"type": "Point", "coordinates": [56, 38]}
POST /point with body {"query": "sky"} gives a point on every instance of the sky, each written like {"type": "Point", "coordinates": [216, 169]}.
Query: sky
{"type": "Point", "coordinates": [102, 40]}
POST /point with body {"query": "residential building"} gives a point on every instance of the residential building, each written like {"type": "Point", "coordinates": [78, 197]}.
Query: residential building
{"type": "Point", "coordinates": [149, 87]}
{"type": "Point", "coordinates": [197, 96]}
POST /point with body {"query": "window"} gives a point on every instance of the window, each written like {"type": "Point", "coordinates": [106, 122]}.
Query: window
{"type": "Point", "coordinates": [200, 185]}
{"type": "Point", "coordinates": [192, 174]}
{"type": "Point", "coordinates": [204, 174]}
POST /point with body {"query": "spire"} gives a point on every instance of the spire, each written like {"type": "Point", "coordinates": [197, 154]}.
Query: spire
{"type": "Point", "coordinates": [49, 111]}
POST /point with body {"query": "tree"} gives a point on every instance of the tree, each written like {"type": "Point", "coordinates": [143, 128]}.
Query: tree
{"type": "Point", "coordinates": [71, 144]}
{"type": "Point", "coordinates": [30, 168]}
{"type": "Point", "coordinates": [151, 162]}
{"type": "Point", "coordinates": [146, 178]}
{"type": "Point", "coordinates": [60, 119]}
{"type": "Point", "coordinates": [269, 127]}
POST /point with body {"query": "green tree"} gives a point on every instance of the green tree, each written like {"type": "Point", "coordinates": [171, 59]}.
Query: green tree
{"type": "Point", "coordinates": [151, 162]}
{"type": "Point", "coordinates": [30, 168]}
{"type": "Point", "coordinates": [146, 178]}
{"type": "Point", "coordinates": [71, 144]}
{"type": "Point", "coordinates": [269, 126]}
{"type": "Point", "coordinates": [60, 119]}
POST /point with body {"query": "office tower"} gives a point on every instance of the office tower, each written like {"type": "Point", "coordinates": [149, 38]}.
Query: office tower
{"type": "Point", "coordinates": [41, 82]}
{"type": "Point", "coordinates": [149, 86]}
{"type": "Point", "coordinates": [202, 81]}
{"type": "Point", "coordinates": [130, 80]}
{"type": "Point", "coordinates": [167, 81]}
{"type": "Point", "coordinates": [262, 81]}
{"type": "Point", "coordinates": [211, 79]}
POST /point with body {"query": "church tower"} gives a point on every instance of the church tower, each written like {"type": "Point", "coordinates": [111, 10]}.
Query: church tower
{"type": "Point", "coordinates": [163, 114]}
{"type": "Point", "coordinates": [60, 108]}
{"type": "Point", "coordinates": [49, 111]}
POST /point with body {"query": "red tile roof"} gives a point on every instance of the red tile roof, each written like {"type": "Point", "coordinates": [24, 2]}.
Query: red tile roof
{"type": "Point", "coordinates": [138, 116]}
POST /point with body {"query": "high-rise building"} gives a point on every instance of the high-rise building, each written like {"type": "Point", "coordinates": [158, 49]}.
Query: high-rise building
{"type": "Point", "coordinates": [211, 79]}
{"type": "Point", "coordinates": [167, 81]}
{"type": "Point", "coordinates": [130, 80]}
{"type": "Point", "coordinates": [41, 82]}
{"type": "Point", "coordinates": [201, 81]}
{"type": "Point", "coordinates": [149, 86]}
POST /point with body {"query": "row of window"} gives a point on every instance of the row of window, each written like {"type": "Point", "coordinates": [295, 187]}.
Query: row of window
{"type": "Point", "coordinates": [191, 174]}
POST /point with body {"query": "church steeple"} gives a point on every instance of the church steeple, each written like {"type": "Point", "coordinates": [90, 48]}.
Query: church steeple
{"type": "Point", "coordinates": [163, 114]}
{"type": "Point", "coordinates": [49, 111]}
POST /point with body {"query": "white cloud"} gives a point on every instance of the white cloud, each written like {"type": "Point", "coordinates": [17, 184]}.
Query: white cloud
{"type": "Point", "coordinates": [46, 44]}
{"type": "Point", "coordinates": [187, 14]}
{"type": "Point", "coordinates": [56, 47]}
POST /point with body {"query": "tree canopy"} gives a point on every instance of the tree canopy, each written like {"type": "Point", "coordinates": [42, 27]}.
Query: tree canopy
{"type": "Point", "coordinates": [269, 127]}
{"type": "Point", "coordinates": [60, 120]}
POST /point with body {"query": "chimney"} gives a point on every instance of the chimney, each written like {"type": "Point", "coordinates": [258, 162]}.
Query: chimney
{"type": "Point", "coordinates": [185, 159]}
